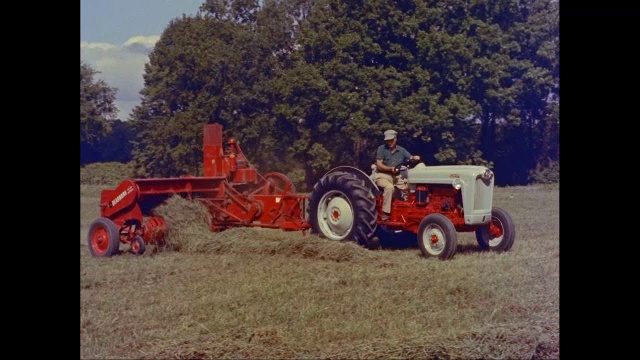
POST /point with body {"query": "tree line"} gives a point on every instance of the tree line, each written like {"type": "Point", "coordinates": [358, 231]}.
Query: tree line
{"type": "Point", "coordinates": [307, 85]}
{"type": "Point", "coordinates": [103, 137]}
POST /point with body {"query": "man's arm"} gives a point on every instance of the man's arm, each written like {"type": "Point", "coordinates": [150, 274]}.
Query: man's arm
{"type": "Point", "coordinates": [408, 156]}
{"type": "Point", "coordinates": [379, 164]}
{"type": "Point", "coordinates": [384, 168]}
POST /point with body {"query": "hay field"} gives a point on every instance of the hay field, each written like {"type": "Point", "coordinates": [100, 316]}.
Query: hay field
{"type": "Point", "coordinates": [250, 293]}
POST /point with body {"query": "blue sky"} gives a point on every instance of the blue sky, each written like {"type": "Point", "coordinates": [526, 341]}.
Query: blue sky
{"type": "Point", "coordinates": [116, 37]}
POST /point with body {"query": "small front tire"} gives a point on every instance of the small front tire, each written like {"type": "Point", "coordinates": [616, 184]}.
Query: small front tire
{"type": "Point", "coordinates": [437, 237]}
{"type": "Point", "coordinates": [499, 234]}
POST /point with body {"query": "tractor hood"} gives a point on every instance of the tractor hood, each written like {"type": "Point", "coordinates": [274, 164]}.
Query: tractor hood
{"type": "Point", "coordinates": [474, 182]}
{"type": "Point", "coordinates": [447, 174]}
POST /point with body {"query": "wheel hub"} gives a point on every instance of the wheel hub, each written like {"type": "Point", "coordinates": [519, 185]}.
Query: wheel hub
{"type": "Point", "coordinates": [434, 240]}
{"type": "Point", "coordinates": [495, 229]}
{"type": "Point", "coordinates": [100, 240]}
{"type": "Point", "coordinates": [340, 217]}
{"type": "Point", "coordinates": [335, 215]}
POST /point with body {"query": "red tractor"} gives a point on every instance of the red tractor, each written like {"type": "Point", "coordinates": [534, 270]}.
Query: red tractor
{"type": "Point", "coordinates": [438, 202]}
{"type": "Point", "coordinates": [344, 204]}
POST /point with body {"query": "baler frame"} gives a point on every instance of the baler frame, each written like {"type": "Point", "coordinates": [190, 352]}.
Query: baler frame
{"type": "Point", "coordinates": [235, 193]}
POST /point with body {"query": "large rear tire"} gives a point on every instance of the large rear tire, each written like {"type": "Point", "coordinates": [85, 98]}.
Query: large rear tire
{"type": "Point", "coordinates": [499, 234]}
{"type": "Point", "coordinates": [437, 237]}
{"type": "Point", "coordinates": [342, 207]}
{"type": "Point", "coordinates": [103, 238]}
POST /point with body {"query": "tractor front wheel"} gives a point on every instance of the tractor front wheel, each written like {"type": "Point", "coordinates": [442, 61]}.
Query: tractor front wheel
{"type": "Point", "coordinates": [342, 207]}
{"type": "Point", "coordinates": [104, 238]}
{"type": "Point", "coordinates": [499, 234]}
{"type": "Point", "coordinates": [437, 237]}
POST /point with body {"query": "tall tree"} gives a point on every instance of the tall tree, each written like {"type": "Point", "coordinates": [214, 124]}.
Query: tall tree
{"type": "Point", "coordinates": [216, 67]}
{"type": "Point", "coordinates": [185, 80]}
{"type": "Point", "coordinates": [97, 110]}
{"type": "Point", "coordinates": [515, 79]}
{"type": "Point", "coordinates": [118, 144]}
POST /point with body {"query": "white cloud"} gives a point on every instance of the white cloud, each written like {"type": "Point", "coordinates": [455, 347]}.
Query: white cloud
{"type": "Point", "coordinates": [97, 46]}
{"type": "Point", "coordinates": [149, 41]}
{"type": "Point", "coordinates": [121, 67]}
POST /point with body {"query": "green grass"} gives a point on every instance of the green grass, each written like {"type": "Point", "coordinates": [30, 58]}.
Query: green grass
{"type": "Point", "coordinates": [106, 174]}
{"type": "Point", "coordinates": [263, 293]}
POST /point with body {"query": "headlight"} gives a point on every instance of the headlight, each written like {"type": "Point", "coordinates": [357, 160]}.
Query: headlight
{"type": "Point", "coordinates": [488, 175]}
{"type": "Point", "coordinates": [457, 183]}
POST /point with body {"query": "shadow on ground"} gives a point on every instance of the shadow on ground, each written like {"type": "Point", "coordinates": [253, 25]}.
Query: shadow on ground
{"type": "Point", "coordinates": [396, 240]}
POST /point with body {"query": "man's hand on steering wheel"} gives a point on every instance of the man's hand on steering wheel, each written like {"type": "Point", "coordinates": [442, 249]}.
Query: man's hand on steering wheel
{"type": "Point", "coordinates": [414, 160]}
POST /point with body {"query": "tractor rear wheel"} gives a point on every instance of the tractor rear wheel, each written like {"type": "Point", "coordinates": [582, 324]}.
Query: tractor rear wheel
{"type": "Point", "coordinates": [104, 238]}
{"type": "Point", "coordinates": [499, 234]}
{"type": "Point", "coordinates": [342, 207]}
{"type": "Point", "coordinates": [437, 237]}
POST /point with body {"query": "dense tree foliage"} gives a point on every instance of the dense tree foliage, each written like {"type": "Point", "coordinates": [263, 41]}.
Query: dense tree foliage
{"type": "Point", "coordinates": [102, 136]}
{"type": "Point", "coordinates": [96, 109]}
{"type": "Point", "coordinates": [216, 67]}
{"type": "Point", "coordinates": [463, 82]}
{"type": "Point", "coordinates": [309, 85]}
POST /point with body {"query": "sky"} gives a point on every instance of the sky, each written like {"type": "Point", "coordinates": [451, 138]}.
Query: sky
{"type": "Point", "coordinates": [116, 37]}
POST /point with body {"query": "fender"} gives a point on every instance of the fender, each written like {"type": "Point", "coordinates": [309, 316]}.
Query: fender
{"type": "Point", "coordinates": [360, 175]}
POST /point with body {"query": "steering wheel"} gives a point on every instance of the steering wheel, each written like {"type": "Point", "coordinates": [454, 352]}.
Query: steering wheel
{"type": "Point", "coordinates": [408, 163]}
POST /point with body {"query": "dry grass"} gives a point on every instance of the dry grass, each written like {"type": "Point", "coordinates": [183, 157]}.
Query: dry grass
{"type": "Point", "coordinates": [261, 293]}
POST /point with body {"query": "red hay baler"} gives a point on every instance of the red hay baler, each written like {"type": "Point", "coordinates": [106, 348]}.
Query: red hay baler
{"type": "Point", "coordinates": [235, 193]}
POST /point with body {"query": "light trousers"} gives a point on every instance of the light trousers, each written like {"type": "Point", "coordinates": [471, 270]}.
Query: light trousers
{"type": "Point", "coordinates": [387, 182]}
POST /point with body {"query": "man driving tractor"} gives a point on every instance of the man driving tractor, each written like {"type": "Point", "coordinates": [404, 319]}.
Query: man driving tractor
{"type": "Point", "coordinates": [388, 156]}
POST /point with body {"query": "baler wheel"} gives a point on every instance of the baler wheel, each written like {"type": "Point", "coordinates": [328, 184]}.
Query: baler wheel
{"type": "Point", "coordinates": [499, 234]}
{"type": "Point", "coordinates": [137, 245]}
{"type": "Point", "coordinates": [437, 237]}
{"type": "Point", "coordinates": [103, 238]}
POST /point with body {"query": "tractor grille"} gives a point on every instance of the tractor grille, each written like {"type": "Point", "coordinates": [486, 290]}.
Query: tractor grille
{"type": "Point", "coordinates": [484, 194]}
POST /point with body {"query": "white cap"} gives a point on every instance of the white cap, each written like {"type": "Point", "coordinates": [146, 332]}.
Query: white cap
{"type": "Point", "coordinates": [390, 134]}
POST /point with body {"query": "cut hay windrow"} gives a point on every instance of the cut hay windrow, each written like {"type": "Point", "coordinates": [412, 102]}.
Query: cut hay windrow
{"type": "Point", "coordinates": [188, 224]}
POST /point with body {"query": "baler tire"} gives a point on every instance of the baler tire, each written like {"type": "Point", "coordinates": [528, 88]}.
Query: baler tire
{"type": "Point", "coordinates": [137, 245]}
{"type": "Point", "coordinates": [437, 229]}
{"type": "Point", "coordinates": [499, 234]}
{"type": "Point", "coordinates": [342, 193]}
{"type": "Point", "coordinates": [103, 238]}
